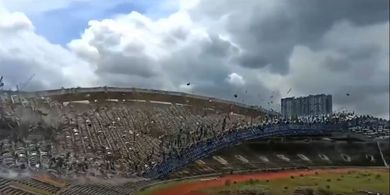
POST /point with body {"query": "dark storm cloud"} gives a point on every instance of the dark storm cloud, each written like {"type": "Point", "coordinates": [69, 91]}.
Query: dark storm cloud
{"type": "Point", "coordinates": [123, 80]}
{"type": "Point", "coordinates": [268, 32]}
{"type": "Point", "coordinates": [336, 64]}
{"type": "Point", "coordinates": [312, 46]}
{"type": "Point", "coordinates": [17, 73]}
{"type": "Point", "coordinates": [350, 59]}
{"type": "Point", "coordinates": [217, 47]}
{"type": "Point", "coordinates": [371, 95]}
{"type": "Point", "coordinates": [358, 92]}
{"type": "Point", "coordinates": [368, 52]}
{"type": "Point", "coordinates": [268, 38]}
{"type": "Point", "coordinates": [180, 34]}
{"type": "Point", "coordinates": [365, 54]}
{"type": "Point", "coordinates": [361, 12]}
{"type": "Point", "coordinates": [175, 36]}
{"type": "Point", "coordinates": [253, 93]}
{"type": "Point", "coordinates": [200, 62]}
{"type": "Point", "coordinates": [134, 64]}
{"type": "Point", "coordinates": [274, 34]}
{"type": "Point", "coordinates": [251, 60]}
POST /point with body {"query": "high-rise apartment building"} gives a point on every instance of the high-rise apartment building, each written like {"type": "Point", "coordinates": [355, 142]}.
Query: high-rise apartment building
{"type": "Point", "coordinates": [309, 105]}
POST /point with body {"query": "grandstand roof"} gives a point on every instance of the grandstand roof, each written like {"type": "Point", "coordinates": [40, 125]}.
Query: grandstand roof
{"type": "Point", "coordinates": [103, 93]}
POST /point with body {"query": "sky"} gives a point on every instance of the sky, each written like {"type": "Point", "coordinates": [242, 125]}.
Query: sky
{"type": "Point", "coordinates": [260, 50]}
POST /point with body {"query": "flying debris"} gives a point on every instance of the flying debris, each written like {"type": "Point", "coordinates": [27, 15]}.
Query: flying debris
{"type": "Point", "coordinates": [25, 84]}
{"type": "Point", "coordinates": [347, 94]}
{"type": "Point", "coordinates": [188, 84]}
{"type": "Point", "coordinates": [289, 91]}
{"type": "Point", "coordinates": [235, 95]}
{"type": "Point", "coordinates": [1, 81]}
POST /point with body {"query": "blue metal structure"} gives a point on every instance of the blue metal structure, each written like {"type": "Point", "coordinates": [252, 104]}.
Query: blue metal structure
{"type": "Point", "coordinates": [207, 147]}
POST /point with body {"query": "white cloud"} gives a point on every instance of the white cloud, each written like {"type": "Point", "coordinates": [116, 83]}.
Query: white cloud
{"type": "Point", "coordinates": [135, 50]}
{"type": "Point", "coordinates": [138, 47]}
{"type": "Point", "coordinates": [23, 53]}
{"type": "Point", "coordinates": [14, 22]}
{"type": "Point", "coordinates": [235, 79]}
{"type": "Point", "coordinates": [255, 49]}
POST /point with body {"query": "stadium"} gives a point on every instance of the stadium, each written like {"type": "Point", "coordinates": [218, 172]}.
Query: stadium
{"type": "Point", "coordinates": [127, 140]}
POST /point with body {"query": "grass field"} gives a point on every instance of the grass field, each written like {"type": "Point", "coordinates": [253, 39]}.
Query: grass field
{"type": "Point", "coordinates": [321, 181]}
{"type": "Point", "coordinates": [351, 182]}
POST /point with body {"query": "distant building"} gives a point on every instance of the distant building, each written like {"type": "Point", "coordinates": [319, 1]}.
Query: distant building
{"type": "Point", "coordinates": [309, 105]}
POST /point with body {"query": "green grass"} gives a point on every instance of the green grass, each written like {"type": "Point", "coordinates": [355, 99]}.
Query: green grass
{"type": "Point", "coordinates": [338, 183]}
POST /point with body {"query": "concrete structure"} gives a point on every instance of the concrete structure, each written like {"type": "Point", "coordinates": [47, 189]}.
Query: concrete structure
{"type": "Point", "coordinates": [309, 105]}
{"type": "Point", "coordinates": [102, 94]}
{"type": "Point", "coordinates": [144, 135]}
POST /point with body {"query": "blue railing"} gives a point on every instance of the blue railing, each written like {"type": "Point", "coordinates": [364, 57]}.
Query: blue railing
{"type": "Point", "coordinates": [207, 147]}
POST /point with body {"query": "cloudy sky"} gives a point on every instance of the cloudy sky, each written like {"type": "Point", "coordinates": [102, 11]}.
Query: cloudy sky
{"type": "Point", "coordinates": [257, 49]}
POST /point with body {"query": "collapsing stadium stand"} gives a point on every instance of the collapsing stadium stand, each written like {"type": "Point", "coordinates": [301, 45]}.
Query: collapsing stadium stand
{"type": "Point", "coordinates": [58, 136]}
